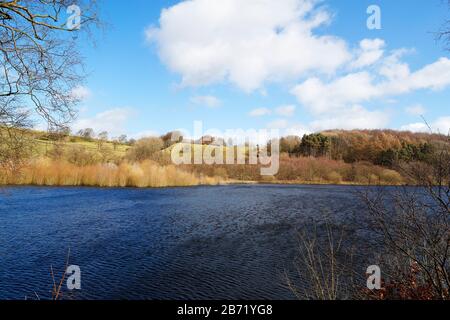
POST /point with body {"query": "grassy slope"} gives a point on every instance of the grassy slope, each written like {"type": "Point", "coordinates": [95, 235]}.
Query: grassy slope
{"type": "Point", "coordinates": [41, 147]}
{"type": "Point", "coordinates": [196, 148]}
{"type": "Point", "coordinates": [292, 171]}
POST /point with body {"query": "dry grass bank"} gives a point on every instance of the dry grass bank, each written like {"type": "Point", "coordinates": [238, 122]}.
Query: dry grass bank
{"type": "Point", "coordinates": [46, 172]}
{"type": "Point", "coordinates": [326, 171]}
{"type": "Point", "coordinates": [147, 174]}
{"type": "Point", "coordinates": [306, 170]}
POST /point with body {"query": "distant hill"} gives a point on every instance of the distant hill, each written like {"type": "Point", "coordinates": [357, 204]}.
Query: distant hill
{"type": "Point", "coordinates": [334, 156]}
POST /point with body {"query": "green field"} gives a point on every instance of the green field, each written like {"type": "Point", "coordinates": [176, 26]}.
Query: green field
{"type": "Point", "coordinates": [42, 147]}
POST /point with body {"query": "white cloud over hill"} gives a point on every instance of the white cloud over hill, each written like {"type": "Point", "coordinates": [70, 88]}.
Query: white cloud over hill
{"type": "Point", "coordinates": [250, 44]}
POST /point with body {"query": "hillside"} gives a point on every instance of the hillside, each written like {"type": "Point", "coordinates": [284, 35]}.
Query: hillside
{"type": "Point", "coordinates": [330, 157]}
{"type": "Point", "coordinates": [43, 144]}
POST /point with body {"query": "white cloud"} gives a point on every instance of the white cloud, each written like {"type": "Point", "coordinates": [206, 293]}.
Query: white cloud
{"type": "Point", "coordinates": [80, 93]}
{"type": "Point", "coordinates": [247, 43]}
{"type": "Point", "coordinates": [355, 117]}
{"type": "Point", "coordinates": [416, 110]}
{"type": "Point", "coordinates": [286, 111]}
{"type": "Point", "coordinates": [440, 125]}
{"type": "Point", "coordinates": [260, 112]}
{"type": "Point", "coordinates": [113, 121]}
{"type": "Point", "coordinates": [207, 101]}
{"type": "Point", "coordinates": [256, 42]}
{"type": "Point", "coordinates": [337, 102]}
{"type": "Point", "coordinates": [415, 127]}
{"type": "Point", "coordinates": [319, 97]}
{"type": "Point", "coordinates": [371, 51]}
{"type": "Point", "coordinates": [355, 88]}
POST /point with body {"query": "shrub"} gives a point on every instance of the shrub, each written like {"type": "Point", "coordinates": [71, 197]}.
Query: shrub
{"type": "Point", "coordinates": [145, 149]}
{"type": "Point", "coordinates": [81, 156]}
{"type": "Point", "coordinates": [334, 177]}
{"type": "Point", "coordinates": [391, 177]}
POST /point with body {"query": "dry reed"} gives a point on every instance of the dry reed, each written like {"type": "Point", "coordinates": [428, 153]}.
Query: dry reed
{"type": "Point", "coordinates": [46, 172]}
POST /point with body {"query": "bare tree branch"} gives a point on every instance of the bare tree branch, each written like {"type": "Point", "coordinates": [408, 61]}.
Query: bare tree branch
{"type": "Point", "coordinates": [40, 64]}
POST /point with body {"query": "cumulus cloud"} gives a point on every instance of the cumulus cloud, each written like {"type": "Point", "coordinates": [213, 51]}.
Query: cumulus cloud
{"type": "Point", "coordinates": [440, 125]}
{"type": "Point", "coordinates": [260, 112]}
{"type": "Point", "coordinates": [256, 42]}
{"type": "Point", "coordinates": [370, 51]}
{"type": "Point", "coordinates": [286, 111]}
{"type": "Point", "coordinates": [247, 43]}
{"type": "Point", "coordinates": [339, 102]}
{"type": "Point", "coordinates": [415, 127]}
{"type": "Point", "coordinates": [207, 101]}
{"type": "Point", "coordinates": [355, 117]}
{"type": "Point", "coordinates": [394, 78]}
{"type": "Point", "coordinates": [113, 121]}
{"type": "Point", "coordinates": [320, 97]}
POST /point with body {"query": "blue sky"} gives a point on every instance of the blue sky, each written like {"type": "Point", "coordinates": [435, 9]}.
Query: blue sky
{"type": "Point", "coordinates": [295, 65]}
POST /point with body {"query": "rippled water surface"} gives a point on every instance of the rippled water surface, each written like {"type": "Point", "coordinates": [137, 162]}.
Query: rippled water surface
{"type": "Point", "coordinates": [230, 242]}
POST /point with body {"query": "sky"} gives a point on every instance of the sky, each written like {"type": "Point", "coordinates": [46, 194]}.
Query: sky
{"type": "Point", "coordinates": [299, 66]}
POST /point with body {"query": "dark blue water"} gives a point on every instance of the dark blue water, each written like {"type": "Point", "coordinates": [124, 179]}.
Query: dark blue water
{"type": "Point", "coordinates": [230, 242]}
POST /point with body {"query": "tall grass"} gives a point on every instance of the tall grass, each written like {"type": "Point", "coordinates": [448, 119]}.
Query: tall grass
{"type": "Point", "coordinates": [306, 170]}
{"type": "Point", "coordinates": [46, 172]}
{"type": "Point", "coordinates": [322, 170]}
{"type": "Point", "coordinates": [160, 173]}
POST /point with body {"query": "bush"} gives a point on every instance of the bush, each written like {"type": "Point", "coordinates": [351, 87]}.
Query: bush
{"type": "Point", "coordinates": [80, 156]}
{"type": "Point", "coordinates": [391, 177]}
{"type": "Point", "coordinates": [334, 177]}
{"type": "Point", "coordinates": [145, 149]}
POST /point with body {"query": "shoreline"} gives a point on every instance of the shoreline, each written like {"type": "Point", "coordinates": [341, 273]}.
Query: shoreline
{"type": "Point", "coordinates": [230, 183]}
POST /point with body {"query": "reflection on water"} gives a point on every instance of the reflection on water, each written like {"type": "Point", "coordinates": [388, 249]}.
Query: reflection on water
{"type": "Point", "coordinates": [230, 242]}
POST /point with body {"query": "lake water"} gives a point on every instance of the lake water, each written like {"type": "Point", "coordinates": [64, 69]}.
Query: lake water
{"type": "Point", "coordinates": [226, 242]}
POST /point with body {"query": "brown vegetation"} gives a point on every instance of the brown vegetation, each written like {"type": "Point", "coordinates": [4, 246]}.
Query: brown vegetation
{"type": "Point", "coordinates": [308, 170]}
{"type": "Point", "coordinates": [333, 157]}
{"type": "Point", "coordinates": [411, 228]}
{"type": "Point", "coordinates": [41, 68]}
{"type": "Point", "coordinates": [414, 224]}
{"type": "Point", "coordinates": [323, 266]}
{"type": "Point", "coordinates": [46, 172]}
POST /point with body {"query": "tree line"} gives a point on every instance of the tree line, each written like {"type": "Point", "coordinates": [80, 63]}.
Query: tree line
{"type": "Point", "coordinates": [379, 147]}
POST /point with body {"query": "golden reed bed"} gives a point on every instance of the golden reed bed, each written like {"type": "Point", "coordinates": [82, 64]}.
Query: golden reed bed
{"type": "Point", "coordinates": [45, 172]}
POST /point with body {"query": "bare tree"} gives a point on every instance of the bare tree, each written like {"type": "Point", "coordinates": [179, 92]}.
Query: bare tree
{"type": "Point", "coordinates": [444, 33]}
{"type": "Point", "coordinates": [145, 149]}
{"type": "Point", "coordinates": [122, 139]}
{"type": "Point", "coordinates": [325, 266]}
{"type": "Point", "coordinates": [102, 138]}
{"type": "Point", "coordinates": [414, 223]}
{"type": "Point", "coordinates": [14, 140]}
{"type": "Point", "coordinates": [87, 133]}
{"type": "Point", "coordinates": [40, 66]}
